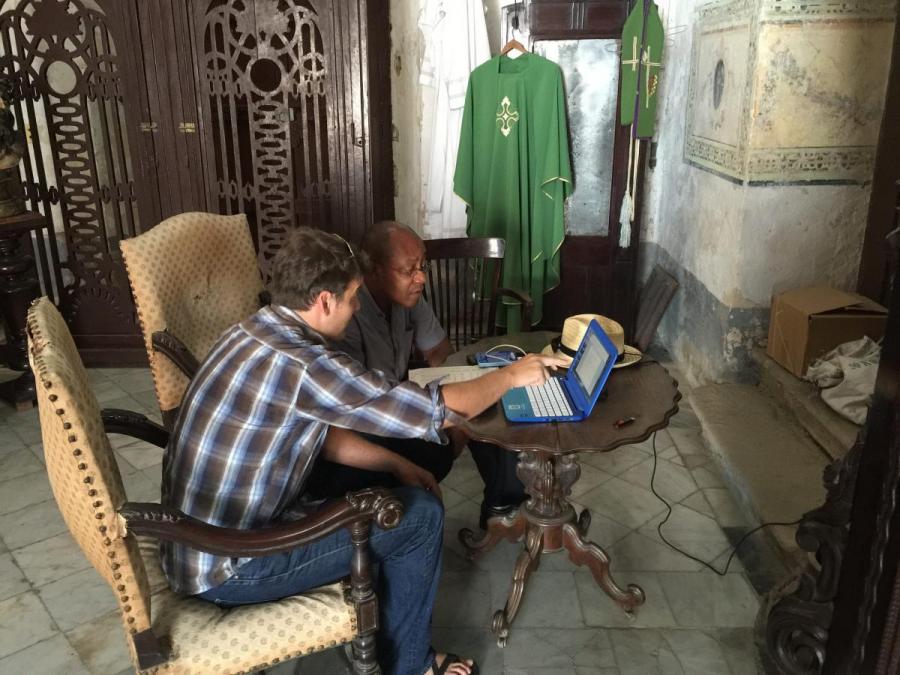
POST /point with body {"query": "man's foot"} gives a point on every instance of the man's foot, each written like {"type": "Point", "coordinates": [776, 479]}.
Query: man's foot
{"type": "Point", "coordinates": [494, 512]}
{"type": "Point", "coordinates": [451, 664]}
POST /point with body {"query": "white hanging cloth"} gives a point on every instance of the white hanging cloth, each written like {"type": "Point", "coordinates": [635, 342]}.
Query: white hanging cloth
{"type": "Point", "coordinates": [456, 43]}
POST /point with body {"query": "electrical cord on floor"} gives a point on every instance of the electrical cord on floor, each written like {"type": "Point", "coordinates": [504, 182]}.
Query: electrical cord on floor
{"type": "Point", "coordinates": [685, 553]}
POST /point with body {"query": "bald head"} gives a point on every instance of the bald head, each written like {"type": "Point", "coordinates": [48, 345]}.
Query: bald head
{"type": "Point", "coordinates": [387, 237]}
{"type": "Point", "coordinates": [396, 259]}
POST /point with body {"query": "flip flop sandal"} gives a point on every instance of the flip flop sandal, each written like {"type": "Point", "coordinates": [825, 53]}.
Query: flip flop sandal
{"type": "Point", "coordinates": [449, 660]}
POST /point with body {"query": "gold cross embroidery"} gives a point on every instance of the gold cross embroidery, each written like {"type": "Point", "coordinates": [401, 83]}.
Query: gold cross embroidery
{"type": "Point", "coordinates": [647, 62]}
{"type": "Point", "coordinates": [633, 61]}
{"type": "Point", "coordinates": [506, 117]}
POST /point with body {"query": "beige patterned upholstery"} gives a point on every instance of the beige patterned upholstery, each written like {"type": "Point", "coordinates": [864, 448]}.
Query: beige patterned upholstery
{"type": "Point", "coordinates": [194, 274]}
{"type": "Point", "coordinates": [88, 489]}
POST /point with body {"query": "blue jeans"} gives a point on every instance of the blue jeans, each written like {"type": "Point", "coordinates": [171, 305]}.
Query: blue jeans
{"type": "Point", "coordinates": [409, 558]}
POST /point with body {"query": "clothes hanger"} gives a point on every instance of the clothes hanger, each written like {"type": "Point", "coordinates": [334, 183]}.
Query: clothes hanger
{"type": "Point", "coordinates": [512, 44]}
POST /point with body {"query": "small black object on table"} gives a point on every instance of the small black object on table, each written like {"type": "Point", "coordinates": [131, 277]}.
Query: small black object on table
{"type": "Point", "coordinates": [548, 467]}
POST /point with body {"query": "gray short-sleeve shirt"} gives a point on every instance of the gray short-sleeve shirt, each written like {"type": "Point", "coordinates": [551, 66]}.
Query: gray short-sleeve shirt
{"type": "Point", "coordinates": [386, 345]}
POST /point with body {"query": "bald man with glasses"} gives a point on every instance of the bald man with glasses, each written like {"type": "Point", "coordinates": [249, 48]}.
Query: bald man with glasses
{"type": "Point", "coordinates": [392, 318]}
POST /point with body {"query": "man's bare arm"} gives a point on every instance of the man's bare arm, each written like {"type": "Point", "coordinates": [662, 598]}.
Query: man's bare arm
{"type": "Point", "coordinates": [343, 446]}
{"type": "Point", "coordinates": [438, 354]}
{"type": "Point", "coordinates": [473, 397]}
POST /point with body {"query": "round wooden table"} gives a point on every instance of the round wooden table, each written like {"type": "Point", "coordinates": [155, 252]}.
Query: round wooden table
{"type": "Point", "coordinates": [548, 467]}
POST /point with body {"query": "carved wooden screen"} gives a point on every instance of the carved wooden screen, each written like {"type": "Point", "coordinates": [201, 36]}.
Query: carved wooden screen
{"type": "Point", "coordinates": [283, 126]}
{"type": "Point", "coordinates": [255, 106]}
{"type": "Point", "coordinates": [63, 58]}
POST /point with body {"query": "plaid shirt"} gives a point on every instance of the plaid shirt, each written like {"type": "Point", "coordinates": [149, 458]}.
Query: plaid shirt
{"type": "Point", "coordinates": [251, 425]}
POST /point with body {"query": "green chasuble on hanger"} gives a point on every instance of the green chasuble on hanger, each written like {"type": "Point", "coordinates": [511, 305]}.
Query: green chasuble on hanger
{"type": "Point", "coordinates": [513, 170]}
{"type": "Point", "coordinates": [643, 38]}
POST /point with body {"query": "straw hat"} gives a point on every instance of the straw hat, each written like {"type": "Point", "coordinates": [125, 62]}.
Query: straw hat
{"type": "Point", "coordinates": [574, 328]}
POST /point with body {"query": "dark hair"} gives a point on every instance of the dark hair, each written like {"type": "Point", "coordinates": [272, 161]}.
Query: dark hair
{"type": "Point", "coordinates": [377, 242]}
{"type": "Point", "coordinates": [309, 262]}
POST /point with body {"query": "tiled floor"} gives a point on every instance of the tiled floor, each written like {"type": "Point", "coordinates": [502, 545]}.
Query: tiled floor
{"type": "Point", "coordinates": [57, 616]}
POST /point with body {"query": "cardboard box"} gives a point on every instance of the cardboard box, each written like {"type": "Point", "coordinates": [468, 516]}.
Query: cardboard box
{"type": "Point", "coordinates": [808, 322]}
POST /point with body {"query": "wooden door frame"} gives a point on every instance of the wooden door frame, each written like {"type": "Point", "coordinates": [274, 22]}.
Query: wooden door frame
{"type": "Point", "coordinates": [874, 268]}
{"type": "Point", "coordinates": [615, 278]}
{"type": "Point", "coordinates": [865, 630]}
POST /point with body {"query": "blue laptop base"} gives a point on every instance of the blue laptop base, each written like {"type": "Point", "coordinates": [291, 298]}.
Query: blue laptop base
{"type": "Point", "coordinates": [517, 408]}
{"type": "Point", "coordinates": [582, 384]}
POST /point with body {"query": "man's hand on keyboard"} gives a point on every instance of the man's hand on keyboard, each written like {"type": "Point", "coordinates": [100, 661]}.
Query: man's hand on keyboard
{"type": "Point", "coordinates": [533, 369]}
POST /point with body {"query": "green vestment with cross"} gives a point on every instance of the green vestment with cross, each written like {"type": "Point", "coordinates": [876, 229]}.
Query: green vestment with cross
{"type": "Point", "coordinates": [643, 38]}
{"type": "Point", "coordinates": [513, 171]}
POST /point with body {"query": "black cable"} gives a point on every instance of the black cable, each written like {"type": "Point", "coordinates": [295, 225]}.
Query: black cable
{"type": "Point", "coordinates": [685, 553]}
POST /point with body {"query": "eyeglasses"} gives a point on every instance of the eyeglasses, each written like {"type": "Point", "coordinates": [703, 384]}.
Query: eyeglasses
{"type": "Point", "coordinates": [410, 272]}
{"type": "Point", "coordinates": [347, 244]}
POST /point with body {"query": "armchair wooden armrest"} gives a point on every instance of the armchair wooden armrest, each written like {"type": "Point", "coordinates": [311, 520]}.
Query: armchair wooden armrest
{"type": "Point", "coordinates": [527, 304]}
{"type": "Point", "coordinates": [154, 520]}
{"type": "Point", "coordinates": [356, 511]}
{"type": "Point", "coordinates": [176, 351]}
{"type": "Point", "coordinates": [136, 425]}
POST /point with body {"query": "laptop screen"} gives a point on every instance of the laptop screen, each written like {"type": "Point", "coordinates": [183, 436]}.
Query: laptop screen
{"type": "Point", "coordinates": [592, 364]}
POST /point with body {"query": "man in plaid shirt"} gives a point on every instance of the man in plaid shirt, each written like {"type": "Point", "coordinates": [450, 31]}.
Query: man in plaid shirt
{"type": "Point", "coordinates": [269, 400]}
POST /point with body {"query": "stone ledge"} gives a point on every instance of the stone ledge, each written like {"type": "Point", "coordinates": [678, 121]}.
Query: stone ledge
{"type": "Point", "coordinates": [770, 466]}
{"type": "Point", "coordinates": [832, 432]}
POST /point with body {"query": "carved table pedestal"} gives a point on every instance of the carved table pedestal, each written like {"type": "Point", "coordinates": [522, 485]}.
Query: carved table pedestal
{"type": "Point", "coordinates": [548, 467]}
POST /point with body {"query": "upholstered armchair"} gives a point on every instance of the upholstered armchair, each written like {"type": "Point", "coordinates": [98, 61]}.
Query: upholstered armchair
{"type": "Point", "coordinates": [193, 276]}
{"type": "Point", "coordinates": [168, 633]}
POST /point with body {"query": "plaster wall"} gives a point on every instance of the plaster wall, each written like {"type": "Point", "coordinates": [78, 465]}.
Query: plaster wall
{"type": "Point", "coordinates": [768, 189]}
{"type": "Point", "coordinates": [407, 48]}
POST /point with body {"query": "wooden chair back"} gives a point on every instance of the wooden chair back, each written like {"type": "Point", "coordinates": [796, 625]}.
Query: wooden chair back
{"type": "Point", "coordinates": [463, 280]}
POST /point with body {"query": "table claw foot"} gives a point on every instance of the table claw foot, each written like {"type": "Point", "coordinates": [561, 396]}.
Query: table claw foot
{"type": "Point", "coordinates": [499, 528]}
{"type": "Point", "coordinates": [584, 521]}
{"type": "Point", "coordinates": [595, 559]}
{"type": "Point", "coordinates": [500, 627]}
{"type": "Point", "coordinates": [527, 562]}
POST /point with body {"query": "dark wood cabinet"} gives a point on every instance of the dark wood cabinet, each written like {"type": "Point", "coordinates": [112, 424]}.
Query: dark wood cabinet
{"type": "Point", "coordinates": [565, 19]}
{"type": "Point", "coordinates": [142, 109]}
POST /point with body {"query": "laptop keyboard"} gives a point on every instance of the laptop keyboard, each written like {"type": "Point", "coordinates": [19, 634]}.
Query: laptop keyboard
{"type": "Point", "coordinates": [549, 399]}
